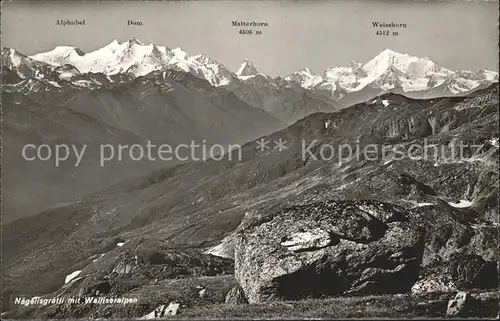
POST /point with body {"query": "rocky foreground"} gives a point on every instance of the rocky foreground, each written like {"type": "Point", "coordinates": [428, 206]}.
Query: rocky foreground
{"type": "Point", "coordinates": [326, 259]}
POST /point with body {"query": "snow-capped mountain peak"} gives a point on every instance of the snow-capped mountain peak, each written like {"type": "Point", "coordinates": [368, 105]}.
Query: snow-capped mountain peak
{"type": "Point", "coordinates": [133, 41]}
{"type": "Point", "coordinates": [306, 71]}
{"type": "Point", "coordinates": [131, 56]}
{"type": "Point", "coordinates": [22, 65]}
{"type": "Point", "coordinates": [180, 59]}
{"type": "Point", "coordinates": [391, 71]}
{"type": "Point", "coordinates": [489, 75]}
{"type": "Point", "coordinates": [387, 59]}
{"type": "Point", "coordinates": [414, 67]}
{"type": "Point", "coordinates": [211, 70]}
{"type": "Point", "coordinates": [246, 69]}
{"type": "Point", "coordinates": [305, 78]}
{"type": "Point", "coordinates": [60, 55]}
{"type": "Point", "coordinates": [68, 50]}
{"type": "Point", "coordinates": [15, 57]}
{"type": "Point", "coordinates": [113, 44]}
{"type": "Point", "coordinates": [179, 53]}
{"type": "Point", "coordinates": [355, 65]}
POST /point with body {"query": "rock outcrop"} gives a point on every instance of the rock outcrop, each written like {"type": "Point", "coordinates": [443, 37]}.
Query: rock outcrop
{"type": "Point", "coordinates": [236, 296]}
{"type": "Point", "coordinates": [328, 248]}
{"type": "Point", "coordinates": [162, 312]}
{"type": "Point", "coordinates": [461, 250]}
{"type": "Point", "coordinates": [434, 284]}
{"type": "Point", "coordinates": [457, 305]}
{"type": "Point", "coordinates": [472, 271]}
{"type": "Point", "coordinates": [468, 304]}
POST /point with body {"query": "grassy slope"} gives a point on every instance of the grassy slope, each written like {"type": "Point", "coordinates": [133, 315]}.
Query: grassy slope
{"type": "Point", "coordinates": [384, 306]}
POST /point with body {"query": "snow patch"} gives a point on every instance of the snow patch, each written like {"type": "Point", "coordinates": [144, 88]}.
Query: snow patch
{"type": "Point", "coordinates": [53, 83]}
{"type": "Point", "coordinates": [86, 83]}
{"type": "Point", "coordinates": [68, 74]}
{"type": "Point", "coordinates": [246, 77]}
{"type": "Point", "coordinates": [71, 276]}
{"type": "Point", "coordinates": [417, 204]}
{"type": "Point", "coordinates": [95, 260]}
{"type": "Point", "coordinates": [221, 250]}
{"type": "Point", "coordinates": [461, 204]}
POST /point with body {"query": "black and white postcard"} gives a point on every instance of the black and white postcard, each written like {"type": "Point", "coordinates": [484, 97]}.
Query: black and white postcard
{"type": "Point", "coordinates": [250, 159]}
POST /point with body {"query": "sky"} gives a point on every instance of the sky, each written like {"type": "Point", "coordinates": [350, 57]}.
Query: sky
{"type": "Point", "coordinates": [313, 34]}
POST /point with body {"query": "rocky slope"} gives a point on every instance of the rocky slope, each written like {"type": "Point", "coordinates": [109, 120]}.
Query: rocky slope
{"type": "Point", "coordinates": [207, 206]}
{"type": "Point", "coordinates": [287, 101]}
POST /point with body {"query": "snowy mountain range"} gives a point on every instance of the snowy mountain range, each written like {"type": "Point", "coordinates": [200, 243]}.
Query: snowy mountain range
{"type": "Point", "coordinates": [392, 71]}
{"type": "Point", "coordinates": [135, 58]}
{"type": "Point", "coordinates": [389, 71]}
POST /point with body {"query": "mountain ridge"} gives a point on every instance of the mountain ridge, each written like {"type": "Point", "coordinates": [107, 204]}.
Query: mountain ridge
{"type": "Point", "coordinates": [198, 205]}
{"type": "Point", "coordinates": [419, 74]}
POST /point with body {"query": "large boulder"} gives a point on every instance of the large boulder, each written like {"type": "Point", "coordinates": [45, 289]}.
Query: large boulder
{"type": "Point", "coordinates": [328, 248]}
{"type": "Point", "coordinates": [461, 250]}
{"type": "Point", "coordinates": [473, 305]}
{"type": "Point", "coordinates": [472, 271]}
